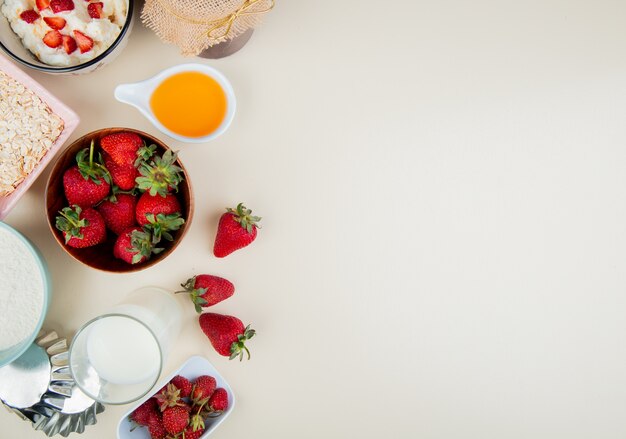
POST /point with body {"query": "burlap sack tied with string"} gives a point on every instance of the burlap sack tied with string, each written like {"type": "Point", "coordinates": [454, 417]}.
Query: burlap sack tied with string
{"type": "Point", "coordinates": [194, 25]}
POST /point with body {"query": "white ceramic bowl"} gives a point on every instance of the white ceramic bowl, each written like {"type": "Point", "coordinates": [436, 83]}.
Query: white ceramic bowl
{"type": "Point", "coordinates": [191, 369]}
{"type": "Point", "coordinates": [138, 95]}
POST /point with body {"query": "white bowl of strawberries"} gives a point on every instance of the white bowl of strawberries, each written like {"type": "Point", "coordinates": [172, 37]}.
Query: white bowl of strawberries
{"type": "Point", "coordinates": [189, 404]}
{"type": "Point", "coordinates": [119, 200]}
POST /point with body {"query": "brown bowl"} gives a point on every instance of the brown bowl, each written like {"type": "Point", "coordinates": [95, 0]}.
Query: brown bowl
{"type": "Point", "coordinates": [101, 256]}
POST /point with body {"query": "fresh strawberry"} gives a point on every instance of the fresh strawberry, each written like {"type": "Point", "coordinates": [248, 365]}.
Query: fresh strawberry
{"type": "Point", "coordinates": [119, 214]}
{"type": "Point", "coordinates": [53, 39]}
{"type": "Point", "coordinates": [182, 384]}
{"type": "Point", "coordinates": [155, 426]}
{"type": "Point", "coordinates": [169, 396]}
{"type": "Point", "coordinates": [155, 205]}
{"type": "Point", "coordinates": [42, 4]}
{"type": "Point", "coordinates": [141, 415]}
{"type": "Point", "coordinates": [122, 175]}
{"type": "Point", "coordinates": [84, 42]}
{"type": "Point", "coordinates": [29, 16]}
{"type": "Point", "coordinates": [56, 23]}
{"type": "Point", "coordinates": [81, 228]}
{"type": "Point", "coordinates": [236, 229]}
{"type": "Point", "coordinates": [69, 44]}
{"type": "Point", "coordinates": [88, 182]}
{"type": "Point", "coordinates": [218, 402]}
{"type": "Point", "coordinates": [122, 147]}
{"type": "Point", "coordinates": [175, 419]}
{"type": "Point", "coordinates": [190, 433]}
{"type": "Point", "coordinates": [95, 10]}
{"type": "Point", "coordinates": [206, 290]}
{"type": "Point", "coordinates": [227, 334]}
{"type": "Point", "coordinates": [134, 246]}
{"type": "Point", "coordinates": [61, 5]}
{"type": "Point", "coordinates": [160, 175]}
{"type": "Point", "coordinates": [203, 388]}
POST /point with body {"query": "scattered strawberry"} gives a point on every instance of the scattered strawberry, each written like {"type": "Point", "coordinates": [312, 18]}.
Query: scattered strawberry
{"type": "Point", "coordinates": [169, 396]}
{"type": "Point", "coordinates": [119, 214]}
{"type": "Point", "coordinates": [218, 402]}
{"type": "Point", "coordinates": [56, 23]}
{"type": "Point", "coordinates": [175, 419]}
{"type": "Point", "coordinates": [81, 228]}
{"type": "Point", "coordinates": [84, 42]}
{"type": "Point", "coordinates": [182, 384]}
{"type": "Point", "coordinates": [69, 44]}
{"type": "Point", "coordinates": [141, 415]}
{"type": "Point", "coordinates": [42, 4]}
{"type": "Point", "coordinates": [122, 175]}
{"type": "Point", "coordinates": [156, 204]}
{"type": "Point", "coordinates": [134, 246]}
{"type": "Point", "coordinates": [227, 334]}
{"type": "Point", "coordinates": [95, 10]}
{"type": "Point", "coordinates": [61, 5]}
{"type": "Point", "coordinates": [155, 426]}
{"type": "Point", "coordinates": [88, 182]}
{"type": "Point", "coordinates": [160, 175]}
{"type": "Point", "coordinates": [29, 16]}
{"type": "Point", "coordinates": [203, 388]}
{"type": "Point", "coordinates": [206, 290]}
{"type": "Point", "coordinates": [122, 147]}
{"type": "Point", "coordinates": [236, 229]}
{"type": "Point", "coordinates": [53, 39]}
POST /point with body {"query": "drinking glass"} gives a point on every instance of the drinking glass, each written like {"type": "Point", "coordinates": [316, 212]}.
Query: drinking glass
{"type": "Point", "coordinates": [117, 357]}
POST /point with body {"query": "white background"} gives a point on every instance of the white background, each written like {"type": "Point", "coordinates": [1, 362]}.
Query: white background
{"type": "Point", "coordinates": [442, 185]}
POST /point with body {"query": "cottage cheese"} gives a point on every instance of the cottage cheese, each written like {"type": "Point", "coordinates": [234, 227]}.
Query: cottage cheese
{"type": "Point", "coordinates": [103, 31]}
{"type": "Point", "coordinates": [21, 291]}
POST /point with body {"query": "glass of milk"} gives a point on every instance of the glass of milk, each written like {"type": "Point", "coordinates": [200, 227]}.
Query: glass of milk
{"type": "Point", "coordinates": [117, 357]}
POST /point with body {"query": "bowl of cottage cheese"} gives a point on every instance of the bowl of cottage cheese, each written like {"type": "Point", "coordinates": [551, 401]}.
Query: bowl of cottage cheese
{"type": "Point", "coordinates": [24, 293]}
{"type": "Point", "coordinates": [64, 36]}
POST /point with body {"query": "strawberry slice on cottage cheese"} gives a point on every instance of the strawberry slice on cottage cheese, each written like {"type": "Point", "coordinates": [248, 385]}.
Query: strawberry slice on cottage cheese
{"type": "Point", "coordinates": [53, 30]}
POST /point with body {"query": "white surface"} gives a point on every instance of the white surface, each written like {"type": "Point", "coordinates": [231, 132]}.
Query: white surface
{"type": "Point", "coordinates": [191, 369]}
{"type": "Point", "coordinates": [138, 95]}
{"type": "Point", "coordinates": [21, 290]}
{"type": "Point", "coordinates": [443, 193]}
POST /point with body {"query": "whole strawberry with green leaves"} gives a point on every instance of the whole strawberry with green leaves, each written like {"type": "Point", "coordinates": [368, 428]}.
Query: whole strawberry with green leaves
{"type": "Point", "coordinates": [81, 228]}
{"type": "Point", "coordinates": [227, 334]}
{"type": "Point", "coordinates": [237, 228]}
{"type": "Point", "coordinates": [206, 290]}
{"type": "Point", "coordinates": [89, 181]}
{"type": "Point", "coordinates": [134, 245]}
{"type": "Point", "coordinates": [160, 175]}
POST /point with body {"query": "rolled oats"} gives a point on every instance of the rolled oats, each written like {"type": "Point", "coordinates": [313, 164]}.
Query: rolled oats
{"type": "Point", "coordinates": [28, 129]}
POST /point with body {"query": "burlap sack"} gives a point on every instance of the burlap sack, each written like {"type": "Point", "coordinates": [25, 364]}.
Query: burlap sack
{"type": "Point", "coordinates": [194, 25]}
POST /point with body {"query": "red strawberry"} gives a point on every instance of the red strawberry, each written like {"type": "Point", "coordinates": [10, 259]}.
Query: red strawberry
{"type": "Point", "coordinates": [169, 396]}
{"type": "Point", "coordinates": [119, 215]}
{"type": "Point", "coordinates": [175, 419]}
{"type": "Point", "coordinates": [81, 228]}
{"type": "Point", "coordinates": [227, 334]}
{"type": "Point", "coordinates": [182, 384]}
{"type": "Point", "coordinates": [29, 16]}
{"type": "Point", "coordinates": [56, 23]}
{"type": "Point", "coordinates": [141, 415]}
{"type": "Point", "coordinates": [95, 10]}
{"type": "Point", "coordinates": [160, 175]}
{"type": "Point", "coordinates": [134, 246]}
{"type": "Point", "coordinates": [69, 44]}
{"type": "Point", "coordinates": [52, 39]}
{"type": "Point", "coordinates": [84, 42]}
{"type": "Point", "coordinates": [148, 204]}
{"type": "Point", "coordinates": [207, 290]}
{"type": "Point", "coordinates": [218, 402]}
{"type": "Point", "coordinates": [190, 433]}
{"type": "Point", "coordinates": [122, 175]}
{"type": "Point", "coordinates": [88, 182]}
{"type": "Point", "coordinates": [155, 426]}
{"type": "Point", "coordinates": [236, 229]}
{"type": "Point", "coordinates": [122, 147]}
{"type": "Point", "coordinates": [203, 388]}
{"type": "Point", "coordinates": [61, 5]}
{"type": "Point", "coordinates": [42, 4]}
